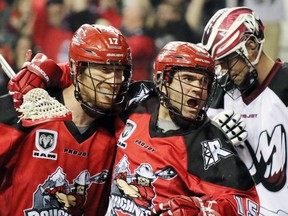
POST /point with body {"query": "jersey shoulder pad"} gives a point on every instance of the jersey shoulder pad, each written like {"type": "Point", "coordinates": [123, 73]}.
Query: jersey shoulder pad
{"type": "Point", "coordinates": [278, 83]}
{"type": "Point", "coordinates": [138, 91]}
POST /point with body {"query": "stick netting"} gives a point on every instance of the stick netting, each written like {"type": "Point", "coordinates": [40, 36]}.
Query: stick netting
{"type": "Point", "coordinates": [38, 105]}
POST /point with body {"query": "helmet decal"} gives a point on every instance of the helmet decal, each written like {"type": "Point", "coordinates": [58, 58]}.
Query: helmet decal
{"type": "Point", "coordinates": [229, 29]}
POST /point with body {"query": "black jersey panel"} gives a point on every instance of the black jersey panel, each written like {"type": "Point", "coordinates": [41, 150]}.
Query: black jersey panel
{"type": "Point", "coordinates": [218, 160]}
{"type": "Point", "coordinates": [279, 83]}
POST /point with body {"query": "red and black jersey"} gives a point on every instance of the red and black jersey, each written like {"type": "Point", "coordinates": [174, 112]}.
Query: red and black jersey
{"type": "Point", "coordinates": [156, 166]}
{"type": "Point", "coordinates": [56, 170]}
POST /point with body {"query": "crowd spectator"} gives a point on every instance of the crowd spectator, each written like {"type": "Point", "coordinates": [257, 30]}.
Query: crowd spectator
{"type": "Point", "coordinates": [110, 11]}
{"type": "Point", "coordinates": [147, 24]}
{"type": "Point", "coordinates": [170, 24]}
{"type": "Point", "coordinates": [20, 48]}
{"type": "Point", "coordinates": [135, 25]}
{"type": "Point", "coordinates": [49, 34]}
{"type": "Point", "coordinates": [80, 12]}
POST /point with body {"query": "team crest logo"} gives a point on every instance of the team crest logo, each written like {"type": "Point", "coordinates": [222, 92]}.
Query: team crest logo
{"type": "Point", "coordinates": [271, 158]}
{"type": "Point", "coordinates": [132, 191]}
{"type": "Point", "coordinates": [45, 142]}
{"type": "Point", "coordinates": [57, 196]}
{"type": "Point", "coordinates": [126, 133]}
{"type": "Point", "coordinates": [212, 152]}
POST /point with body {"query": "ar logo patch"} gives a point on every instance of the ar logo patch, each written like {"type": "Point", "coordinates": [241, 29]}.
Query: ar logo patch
{"type": "Point", "coordinates": [212, 152]}
{"type": "Point", "coordinates": [126, 133]}
{"type": "Point", "coordinates": [45, 142]}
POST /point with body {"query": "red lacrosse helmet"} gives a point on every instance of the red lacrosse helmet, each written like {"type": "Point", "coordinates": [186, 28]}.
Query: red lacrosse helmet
{"type": "Point", "coordinates": [177, 56]}
{"type": "Point", "coordinates": [229, 30]}
{"type": "Point", "coordinates": [103, 45]}
{"type": "Point", "coordinates": [99, 44]}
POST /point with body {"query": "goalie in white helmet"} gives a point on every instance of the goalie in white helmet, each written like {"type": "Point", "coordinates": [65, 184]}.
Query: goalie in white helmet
{"type": "Point", "coordinates": [229, 36]}
{"type": "Point", "coordinates": [255, 86]}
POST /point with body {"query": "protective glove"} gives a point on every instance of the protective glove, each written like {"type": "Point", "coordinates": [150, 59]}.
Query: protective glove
{"type": "Point", "coordinates": [186, 206]}
{"type": "Point", "coordinates": [41, 72]}
{"type": "Point", "coordinates": [233, 126]}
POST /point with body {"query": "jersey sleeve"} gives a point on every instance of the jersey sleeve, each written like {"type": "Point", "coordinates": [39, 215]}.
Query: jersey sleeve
{"type": "Point", "coordinates": [229, 201]}
{"type": "Point", "coordinates": [221, 175]}
{"type": "Point", "coordinates": [10, 138]}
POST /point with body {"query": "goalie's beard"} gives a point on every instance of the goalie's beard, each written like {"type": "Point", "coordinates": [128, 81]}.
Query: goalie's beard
{"type": "Point", "coordinates": [246, 87]}
{"type": "Point", "coordinates": [249, 83]}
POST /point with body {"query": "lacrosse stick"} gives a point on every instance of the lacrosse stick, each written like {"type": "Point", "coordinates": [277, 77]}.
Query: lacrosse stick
{"type": "Point", "coordinates": [38, 106]}
{"type": "Point", "coordinates": [6, 67]}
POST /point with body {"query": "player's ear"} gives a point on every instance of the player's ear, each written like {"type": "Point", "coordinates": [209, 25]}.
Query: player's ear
{"type": "Point", "coordinates": [252, 49]}
{"type": "Point", "coordinates": [73, 72]}
{"type": "Point", "coordinates": [158, 77]}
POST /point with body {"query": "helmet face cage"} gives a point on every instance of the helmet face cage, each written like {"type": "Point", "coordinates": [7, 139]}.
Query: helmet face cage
{"type": "Point", "coordinates": [99, 45]}
{"type": "Point", "coordinates": [223, 79]}
{"type": "Point", "coordinates": [189, 59]}
{"type": "Point", "coordinates": [172, 73]}
{"type": "Point", "coordinates": [117, 94]}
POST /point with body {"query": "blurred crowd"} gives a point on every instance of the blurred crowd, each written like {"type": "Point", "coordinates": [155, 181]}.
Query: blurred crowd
{"type": "Point", "coordinates": [47, 26]}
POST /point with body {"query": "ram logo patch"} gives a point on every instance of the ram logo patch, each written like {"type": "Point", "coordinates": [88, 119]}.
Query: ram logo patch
{"type": "Point", "coordinates": [45, 142]}
{"type": "Point", "coordinates": [126, 133]}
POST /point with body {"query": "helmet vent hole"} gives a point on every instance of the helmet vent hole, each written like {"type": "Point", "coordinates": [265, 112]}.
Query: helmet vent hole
{"type": "Point", "coordinates": [89, 51]}
{"type": "Point", "coordinates": [178, 57]}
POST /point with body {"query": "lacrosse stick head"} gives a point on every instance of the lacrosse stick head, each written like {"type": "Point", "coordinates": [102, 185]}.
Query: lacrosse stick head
{"type": "Point", "coordinates": [39, 107]}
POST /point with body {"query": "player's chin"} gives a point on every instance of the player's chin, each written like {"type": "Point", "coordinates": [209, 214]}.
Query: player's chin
{"type": "Point", "coordinates": [190, 114]}
{"type": "Point", "coordinates": [238, 80]}
{"type": "Point", "coordinates": [104, 104]}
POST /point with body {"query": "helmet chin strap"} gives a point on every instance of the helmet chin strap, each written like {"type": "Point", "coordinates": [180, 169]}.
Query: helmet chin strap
{"type": "Point", "coordinates": [184, 122]}
{"type": "Point", "coordinates": [94, 113]}
{"type": "Point", "coordinates": [249, 83]}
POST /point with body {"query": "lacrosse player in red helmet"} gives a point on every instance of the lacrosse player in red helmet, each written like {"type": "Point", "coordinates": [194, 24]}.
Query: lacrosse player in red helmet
{"type": "Point", "coordinates": [171, 158]}
{"type": "Point", "coordinates": [255, 86]}
{"type": "Point", "coordinates": [42, 164]}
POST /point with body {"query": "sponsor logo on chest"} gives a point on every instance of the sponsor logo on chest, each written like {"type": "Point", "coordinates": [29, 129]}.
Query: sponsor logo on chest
{"type": "Point", "coordinates": [45, 142]}
{"type": "Point", "coordinates": [126, 133]}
